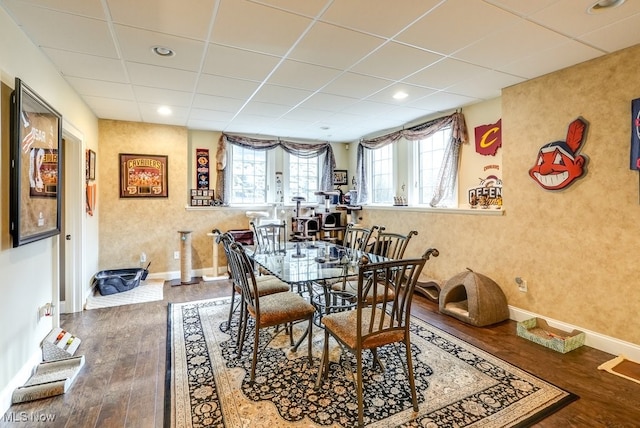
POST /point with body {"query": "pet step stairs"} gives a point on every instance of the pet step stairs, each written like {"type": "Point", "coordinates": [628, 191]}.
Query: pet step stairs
{"type": "Point", "coordinates": [49, 379]}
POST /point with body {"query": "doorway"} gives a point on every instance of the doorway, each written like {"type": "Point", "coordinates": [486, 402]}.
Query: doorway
{"type": "Point", "coordinates": [71, 268]}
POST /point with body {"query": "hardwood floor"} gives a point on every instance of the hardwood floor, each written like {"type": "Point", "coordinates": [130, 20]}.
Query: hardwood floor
{"type": "Point", "coordinates": [122, 382]}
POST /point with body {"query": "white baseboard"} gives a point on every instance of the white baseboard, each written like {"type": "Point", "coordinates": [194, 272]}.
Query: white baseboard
{"type": "Point", "coordinates": [593, 339]}
{"type": "Point", "coordinates": [19, 380]}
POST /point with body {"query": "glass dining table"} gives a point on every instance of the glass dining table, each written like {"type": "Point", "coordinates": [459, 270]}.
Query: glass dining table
{"type": "Point", "coordinates": [312, 268]}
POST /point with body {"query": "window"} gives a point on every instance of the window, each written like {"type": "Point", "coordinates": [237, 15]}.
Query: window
{"type": "Point", "coordinates": [429, 155]}
{"type": "Point", "coordinates": [304, 177]}
{"type": "Point", "coordinates": [249, 176]}
{"type": "Point", "coordinates": [381, 175]}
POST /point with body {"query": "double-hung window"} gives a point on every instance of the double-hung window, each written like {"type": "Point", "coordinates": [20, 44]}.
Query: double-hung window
{"type": "Point", "coordinates": [249, 176]}
{"type": "Point", "coordinates": [428, 163]}
{"type": "Point", "coordinates": [303, 177]}
{"type": "Point", "coordinates": [381, 175]}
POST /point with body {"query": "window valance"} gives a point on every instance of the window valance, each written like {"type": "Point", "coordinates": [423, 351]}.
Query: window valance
{"type": "Point", "coordinates": [302, 150]}
{"type": "Point", "coordinates": [449, 169]}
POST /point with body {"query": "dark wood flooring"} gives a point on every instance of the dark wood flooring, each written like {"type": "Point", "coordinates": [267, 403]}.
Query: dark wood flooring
{"type": "Point", "coordinates": [122, 383]}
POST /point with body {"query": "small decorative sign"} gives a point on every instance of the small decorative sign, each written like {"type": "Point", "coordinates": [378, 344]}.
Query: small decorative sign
{"type": "Point", "coordinates": [559, 164]}
{"type": "Point", "coordinates": [143, 176]}
{"type": "Point", "coordinates": [487, 195]}
{"type": "Point", "coordinates": [489, 138]}
{"type": "Point", "coordinates": [635, 134]}
{"type": "Point", "coordinates": [202, 168]}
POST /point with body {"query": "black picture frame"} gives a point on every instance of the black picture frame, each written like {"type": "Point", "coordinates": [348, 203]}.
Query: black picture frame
{"type": "Point", "coordinates": [36, 173]}
{"type": "Point", "coordinates": [340, 177]}
{"type": "Point", "coordinates": [91, 165]}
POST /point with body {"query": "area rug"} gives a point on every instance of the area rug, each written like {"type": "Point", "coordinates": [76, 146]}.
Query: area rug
{"type": "Point", "coordinates": [148, 291]}
{"type": "Point", "coordinates": [459, 385]}
{"type": "Point", "coordinates": [623, 367]}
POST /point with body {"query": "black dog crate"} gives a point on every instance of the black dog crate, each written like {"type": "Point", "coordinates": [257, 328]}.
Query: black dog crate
{"type": "Point", "coordinates": [118, 280]}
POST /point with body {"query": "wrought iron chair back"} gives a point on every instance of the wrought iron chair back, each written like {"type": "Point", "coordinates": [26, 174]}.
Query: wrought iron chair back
{"type": "Point", "coordinates": [391, 245]}
{"type": "Point", "coordinates": [270, 238]}
{"type": "Point", "coordinates": [392, 285]}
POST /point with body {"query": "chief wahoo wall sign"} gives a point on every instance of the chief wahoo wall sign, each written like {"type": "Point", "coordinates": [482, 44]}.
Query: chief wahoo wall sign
{"type": "Point", "coordinates": [559, 163]}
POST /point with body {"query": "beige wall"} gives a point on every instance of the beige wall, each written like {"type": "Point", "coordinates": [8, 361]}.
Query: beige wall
{"type": "Point", "coordinates": [30, 272]}
{"type": "Point", "coordinates": [577, 248]}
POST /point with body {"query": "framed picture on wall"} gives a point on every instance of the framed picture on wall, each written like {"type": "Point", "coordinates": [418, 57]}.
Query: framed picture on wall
{"type": "Point", "coordinates": [143, 176]}
{"type": "Point", "coordinates": [36, 151]}
{"type": "Point", "coordinates": [340, 177]}
{"type": "Point", "coordinates": [91, 165]}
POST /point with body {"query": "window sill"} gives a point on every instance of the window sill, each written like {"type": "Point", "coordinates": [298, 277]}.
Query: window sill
{"type": "Point", "coordinates": [463, 211]}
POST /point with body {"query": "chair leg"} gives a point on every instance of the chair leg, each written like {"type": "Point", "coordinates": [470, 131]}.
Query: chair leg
{"type": "Point", "coordinates": [310, 341]}
{"type": "Point", "coordinates": [323, 370]}
{"type": "Point", "coordinates": [359, 388]}
{"type": "Point", "coordinates": [242, 329]}
{"type": "Point", "coordinates": [255, 352]}
{"type": "Point", "coordinates": [231, 308]}
{"type": "Point", "coordinates": [412, 382]}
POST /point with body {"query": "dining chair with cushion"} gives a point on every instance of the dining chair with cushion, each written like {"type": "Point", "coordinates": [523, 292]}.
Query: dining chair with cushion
{"type": "Point", "coordinates": [270, 238]}
{"type": "Point", "coordinates": [391, 244]}
{"type": "Point", "coordinates": [267, 284]}
{"type": "Point", "coordinates": [374, 326]}
{"type": "Point", "coordinates": [269, 310]}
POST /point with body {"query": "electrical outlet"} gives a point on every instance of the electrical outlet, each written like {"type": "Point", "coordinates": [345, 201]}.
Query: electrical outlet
{"type": "Point", "coordinates": [176, 255]}
{"type": "Point", "coordinates": [522, 284]}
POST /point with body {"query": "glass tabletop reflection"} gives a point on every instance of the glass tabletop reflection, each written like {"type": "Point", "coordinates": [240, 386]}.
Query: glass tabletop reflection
{"type": "Point", "coordinates": [311, 261]}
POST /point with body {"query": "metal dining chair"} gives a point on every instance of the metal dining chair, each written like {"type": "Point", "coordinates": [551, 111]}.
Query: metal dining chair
{"type": "Point", "coordinates": [391, 244]}
{"type": "Point", "coordinates": [374, 326]}
{"type": "Point", "coordinates": [267, 284]}
{"type": "Point", "coordinates": [271, 238]}
{"type": "Point", "coordinates": [269, 310]}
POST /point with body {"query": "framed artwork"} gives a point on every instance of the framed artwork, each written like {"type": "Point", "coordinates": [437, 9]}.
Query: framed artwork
{"type": "Point", "coordinates": [340, 177]}
{"type": "Point", "coordinates": [91, 165]}
{"type": "Point", "coordinates": [143, 176]}
{"type": "Point", "coordinates": [36, 174]}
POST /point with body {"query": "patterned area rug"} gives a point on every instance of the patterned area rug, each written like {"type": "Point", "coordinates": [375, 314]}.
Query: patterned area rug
{"type": "Point", "coordinates": [148, 291]}
{"type": "Point", "coordinates": [458, 384]}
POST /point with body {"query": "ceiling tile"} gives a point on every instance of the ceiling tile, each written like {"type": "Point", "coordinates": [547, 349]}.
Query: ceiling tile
{"type": "Point", "coordinates": [161, 77]}
{"type": "Point", "coordinates": [101, 88]}
{"type": "Point", "coordinates": [265, 109]}
{"type": "Point", "coordinates": [395, 61]}
{"type": "Point", "coordinates": [446, 29]}
{"type": "Point", "coordinates": [256, 27]}
{"type": "Point", "coordinates": [543, 62]}
{"type": "Point", "coordinates": [226, 86]}
{"type": "Point", "coordinates": [486, 85]}
{"type": "Point", "coordinates": [212, 102]}
{"type": "Point", "coordinates": [413, 92]}
{"type": "Point", "coordinates": [88, 66]}
{"type": "Point", "coordinates": [136, 45]}
{"type": "Point", "coordinates": [281, 95]}
{"type": "Point", "coordinates": [444, 74]}
{"type": "Point", "coordinates": [374, 17]}
{"type": "Point", "coordinates": [145, 94]}
{"type": "Point", "coordinates": [238, 63]}
{"type": "Point", "coordinates": [52, 29]}
{"type": "Point", "coordinates": [328, 102]}
{"type": "Point", "coordinates": [509, 44]}
{"type": "Point", "coordinates": [310, 8]}
{"type": "Point", "coordinates": [303, 76]}
{"type": "Point", "coordinates": [616, 36]}
{"type": "Point", "coordinates": [442, 101]}
{"type": "Point", "coordinates": [187, 18]}
{"type": "Point", "coordinates": [332, 46]}
{"type": "Point", "coordinates": [90, 9]}
{"type": "Point", "coordinates": [114, 109]}
{"type": "Point", "coordinates": [356, 85]}
{"type": "Point", "coordinates": [570, 17]}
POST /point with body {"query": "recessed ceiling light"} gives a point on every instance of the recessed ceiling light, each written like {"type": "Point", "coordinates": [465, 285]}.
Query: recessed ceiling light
{"type": "Point", "coordinates": [164, 110]}
{"type": "Point", "coordinates": [400, 95]}
{"type": "Point", "coordinates": [602, 5]}
{"type": "Point", "coordinates": [324, 128]}
{"type": "Point", "coordinates": [163, 51]}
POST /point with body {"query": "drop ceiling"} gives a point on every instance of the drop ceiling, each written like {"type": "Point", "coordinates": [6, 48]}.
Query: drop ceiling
{"type": "Point", "coordinates": [323, 70]}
